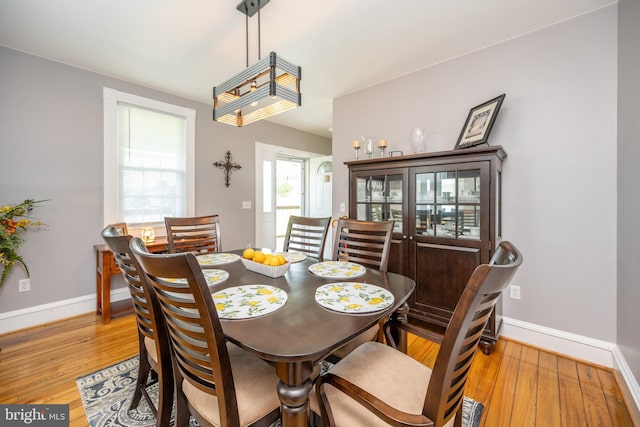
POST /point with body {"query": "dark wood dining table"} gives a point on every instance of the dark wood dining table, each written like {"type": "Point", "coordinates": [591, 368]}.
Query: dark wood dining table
{"type": "Point", "coordinates": [297, 336]}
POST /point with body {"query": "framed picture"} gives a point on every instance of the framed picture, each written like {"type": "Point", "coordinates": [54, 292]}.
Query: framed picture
{"type": "Point", "coordinates": [479, 123]}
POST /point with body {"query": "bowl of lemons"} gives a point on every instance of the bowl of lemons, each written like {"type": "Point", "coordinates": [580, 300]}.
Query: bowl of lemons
{"type": "Point", "coordinates": [268, 264]}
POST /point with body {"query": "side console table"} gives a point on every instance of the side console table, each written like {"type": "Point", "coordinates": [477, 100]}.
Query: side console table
{"type": "Point", "coordinates": [105, 267]}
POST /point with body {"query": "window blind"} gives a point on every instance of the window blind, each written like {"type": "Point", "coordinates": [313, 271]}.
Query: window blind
{"type": "Point", "coordinates": [152, 164]}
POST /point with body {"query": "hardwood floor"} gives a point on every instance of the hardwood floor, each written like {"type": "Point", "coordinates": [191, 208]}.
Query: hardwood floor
{"type": "Point", "coordinates": [519, 385]}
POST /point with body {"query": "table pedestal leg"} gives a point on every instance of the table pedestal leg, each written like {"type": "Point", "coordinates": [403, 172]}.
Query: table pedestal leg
{"type": "Point", "coordinates": [293, 390]}
{"type": "Point", "coordinates": [400, 335]}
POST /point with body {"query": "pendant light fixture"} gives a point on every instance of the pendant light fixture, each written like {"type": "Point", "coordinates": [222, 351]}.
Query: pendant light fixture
{"type": "Point", "coordinates": [269, 87]}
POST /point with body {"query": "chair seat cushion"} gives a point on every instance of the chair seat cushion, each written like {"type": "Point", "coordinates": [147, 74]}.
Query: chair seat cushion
{"type": "Point", "coordinates": [255, 382]}
{"type": "Point", "coordinates": [150, 345]}
{"type": "Point", "coordinates": [388, 374]}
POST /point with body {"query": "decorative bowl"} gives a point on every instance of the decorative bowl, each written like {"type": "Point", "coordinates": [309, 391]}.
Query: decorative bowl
{"type": "Point", "coordinates": [266, 270]}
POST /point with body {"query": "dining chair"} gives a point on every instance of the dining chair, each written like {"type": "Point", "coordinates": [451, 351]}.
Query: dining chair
{"type": "Point", "coordinates": [306, 235]}
{"type": "Point", "coordinates": [217, 382]}
{"type": "Point", "coordinates": [377, 385]}
{"type": "Point", "coordinates": [200, 234]}
{"type": "Point", "coordinates": [154, 350]}
{"type": "Point", "coordinates": [367, 243]}
{"type": "Point", "coordinates": [363, 242]}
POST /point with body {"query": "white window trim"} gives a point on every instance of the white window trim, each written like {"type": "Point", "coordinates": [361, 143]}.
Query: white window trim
{"type": "Point", "coordinates": [111, 97]}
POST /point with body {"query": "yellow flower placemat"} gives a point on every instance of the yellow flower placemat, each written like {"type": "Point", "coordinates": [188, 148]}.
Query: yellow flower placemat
{"type": "Point", "coordinates": [292, 256]}
{"type": "Point", "coordinates": [352, 297]}
{"type": "Point", "coordinates": [217, 259]}
{"type": "Point", "coordinates": [213, 277]}
{"type": "Point", "coordinates": [243, 302]}
{"type": "Point", "coordinates": [337, 269]}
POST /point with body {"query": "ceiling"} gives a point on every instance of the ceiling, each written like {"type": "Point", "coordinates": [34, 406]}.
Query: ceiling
{"type": "Point", "coordinates": [187, 47]}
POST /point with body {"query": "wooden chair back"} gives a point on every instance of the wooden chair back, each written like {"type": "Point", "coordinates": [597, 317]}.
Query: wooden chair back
{"type": "Point", "coordinates": [148, 318]}
{"type": "Point", "coordinates": [199, 234]}
{"type": "Point", "coordinates": [363, 242]}
{"type": "Point", "coordinates": [460, 341]}
{"type": "Point", "coordinates": [306, 235]}
{"type": "Point", "coordinates": [199, 345]}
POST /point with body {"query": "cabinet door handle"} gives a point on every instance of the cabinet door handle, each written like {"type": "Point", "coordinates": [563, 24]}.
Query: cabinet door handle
{"type": "Point", "coordinates": [404, 236]}
{"type": "Point", "coordinates": [410, 237]}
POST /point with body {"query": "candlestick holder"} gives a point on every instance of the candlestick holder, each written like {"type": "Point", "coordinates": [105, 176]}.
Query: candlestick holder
{"type": "Point", "coordinates": [356, 147]}
{"type": "Point", "coordinates": [382, 145]}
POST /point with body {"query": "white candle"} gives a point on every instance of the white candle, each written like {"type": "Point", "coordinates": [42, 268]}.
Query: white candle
{"type": "Point", "coordinates": [382, 143]}
{"type": "Point", "coordinates": [356, 144]}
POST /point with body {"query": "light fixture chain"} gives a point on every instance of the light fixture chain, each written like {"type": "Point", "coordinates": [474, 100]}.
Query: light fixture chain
{"type": "Point", "coordinates": [246, 28]}
{"type": "Point", "coordinates": [259, 54]}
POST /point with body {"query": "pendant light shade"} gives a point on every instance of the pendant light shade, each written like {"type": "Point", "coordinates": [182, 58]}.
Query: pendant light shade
{"type": "Point", "coordinates": [269, 87]}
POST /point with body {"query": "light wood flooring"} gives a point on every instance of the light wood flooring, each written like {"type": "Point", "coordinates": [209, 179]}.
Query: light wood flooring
{"type": "Point", "coordinates": [519, 385]}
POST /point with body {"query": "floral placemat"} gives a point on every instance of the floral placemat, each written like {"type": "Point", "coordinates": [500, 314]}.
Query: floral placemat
{"type": "Point", "coordinates": [293, 256]}
{"type": "Point", "coordinates": [217, 259]}
{"type": "Point", "coordinates": [243, 302]}
{"type": "Point", "coordinates": [212, 276]}
{"type": "Point", "coordinates": [351, 297]}
{"type": "Point", "coordinates": [337, 269]}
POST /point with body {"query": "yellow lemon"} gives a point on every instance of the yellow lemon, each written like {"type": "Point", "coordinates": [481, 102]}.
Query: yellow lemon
{"type": "Point", "coordinates": [267, 259]}
{"type": "Point", "coordinates": [248, 253]}
{"type": "Point", "coordinates": [281, 259]}
{"type": "Point", "coordinates": [274, 261]}
{"type": "Point", "coordinates": [259, 256]}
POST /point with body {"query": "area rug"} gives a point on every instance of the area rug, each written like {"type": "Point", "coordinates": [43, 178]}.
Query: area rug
{"type": "Point", "coordinates": [106, 396]}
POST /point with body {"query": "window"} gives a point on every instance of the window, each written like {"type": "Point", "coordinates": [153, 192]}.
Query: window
{"type": "Point", "coordinates": [148, 160]}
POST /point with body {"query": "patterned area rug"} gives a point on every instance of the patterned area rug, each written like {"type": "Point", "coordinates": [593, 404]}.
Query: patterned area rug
{"type": "Point", "coordinates": [106, 396]}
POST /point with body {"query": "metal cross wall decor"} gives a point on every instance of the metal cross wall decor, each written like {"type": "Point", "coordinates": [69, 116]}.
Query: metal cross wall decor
{"type": "Point", "coordinates": [228, 167]}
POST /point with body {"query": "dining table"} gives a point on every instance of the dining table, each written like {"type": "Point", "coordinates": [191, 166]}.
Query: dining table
{"type": "Point", "coordinates": [302, 332]}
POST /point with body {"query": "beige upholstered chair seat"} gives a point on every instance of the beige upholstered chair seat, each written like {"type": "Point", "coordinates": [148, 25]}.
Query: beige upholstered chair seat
{"type": "Point", "coordinates": [151, 349]}
{"type": "Point", "coordinates": [255, 382]}
{"type": "Point", "coordinates": [386, 373]}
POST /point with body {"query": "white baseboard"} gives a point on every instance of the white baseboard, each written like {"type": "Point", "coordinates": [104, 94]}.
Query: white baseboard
{"type": "Point", "coordinates": [33, 316]}
{"type": "Point", "coordinates": [628, 383]}
{"type": "Point", "coordinates": [573, 345]}
{"type": "Point", "coordinates": [580, 347]}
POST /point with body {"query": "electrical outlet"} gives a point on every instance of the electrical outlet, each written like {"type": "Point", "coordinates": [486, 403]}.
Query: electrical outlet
{"type": "Point", "coordinates": [514, 291]}
{"type": "Point", "coordinates": [343, 208]}
{"type": "Point", "coordinates": [246, 205]}
{"type": "Point", "coordinates": [24, 285]}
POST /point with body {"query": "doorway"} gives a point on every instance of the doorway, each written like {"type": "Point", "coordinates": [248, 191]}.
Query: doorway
{"type": "Point", "coordinates": [288, 182]}
{"type": "Point", "coordinates": [290, 193]}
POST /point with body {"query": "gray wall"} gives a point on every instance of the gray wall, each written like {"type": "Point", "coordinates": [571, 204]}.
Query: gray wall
{"type": "Point", "coordinates": [628, 179]}
{"type": "Point", "coordinates": [51, 147]}
{"type": "Point", "coordinates": [558, 126]}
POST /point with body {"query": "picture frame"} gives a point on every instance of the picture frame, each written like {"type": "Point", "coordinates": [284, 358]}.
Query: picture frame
{"type": "Point", "coordinates": [479, 123]}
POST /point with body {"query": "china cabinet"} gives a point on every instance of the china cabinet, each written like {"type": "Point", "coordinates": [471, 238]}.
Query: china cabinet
{"type": "Point", "coordinates": [447, 212]}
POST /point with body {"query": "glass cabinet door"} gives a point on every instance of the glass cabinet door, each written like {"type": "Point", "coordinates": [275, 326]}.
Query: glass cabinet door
{"type": "Point", "coordinates": [379, 198]}
{"type": "Point", "coordinates": [448, 204]}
